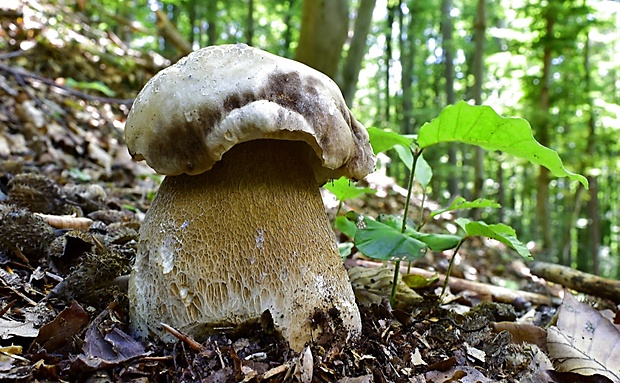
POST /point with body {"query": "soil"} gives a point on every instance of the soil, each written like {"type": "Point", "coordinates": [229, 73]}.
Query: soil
{"type": "Point", "coordinates": [71, 204]}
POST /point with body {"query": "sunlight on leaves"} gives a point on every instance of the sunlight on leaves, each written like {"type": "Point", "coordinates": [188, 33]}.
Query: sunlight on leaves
{"type": "Point", "coordinates": [482, 126]}
{"type": "Point", "coordinates": [459, 203]}
{"type": "Point", "coordinates": [345, 189]}
{"type": "Point", "coordinates": [383, 140]}
{"type": "Point", "coordinates": [499, 232]}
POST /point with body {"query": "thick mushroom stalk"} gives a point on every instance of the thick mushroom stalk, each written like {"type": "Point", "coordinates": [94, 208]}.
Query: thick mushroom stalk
{"type": "Point", "coordinates": [250, 235]}
{"type": "Point", "coordinates": [238, 227]}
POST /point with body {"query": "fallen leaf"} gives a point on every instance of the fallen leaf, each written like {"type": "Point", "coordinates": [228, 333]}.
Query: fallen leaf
{"type": "Point", "coordinates": [523, 333]}
{"type": "Point", "coordinates": [584, 341]}
{"type": "Point", "coordinates": [101, 351]}
{"type": "Point", "coordinates": [57, 333]}
{"type": "Point", "coordinates": [11, 328]}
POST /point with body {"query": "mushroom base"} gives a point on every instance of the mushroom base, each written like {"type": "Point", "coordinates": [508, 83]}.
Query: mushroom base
{"type": "Point", "coordinates": [250, 235]}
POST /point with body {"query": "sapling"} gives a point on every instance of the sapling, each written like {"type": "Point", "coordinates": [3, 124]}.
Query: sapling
{"type": "Point", "coordinates": [398, 238]}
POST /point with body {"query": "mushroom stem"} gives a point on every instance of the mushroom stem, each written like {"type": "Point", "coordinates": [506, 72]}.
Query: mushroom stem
{"type": "Point", "coordinates": [248, 236]}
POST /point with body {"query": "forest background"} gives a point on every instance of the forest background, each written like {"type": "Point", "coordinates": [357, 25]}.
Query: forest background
{"type": "Point", "coordinates": [399, 62]}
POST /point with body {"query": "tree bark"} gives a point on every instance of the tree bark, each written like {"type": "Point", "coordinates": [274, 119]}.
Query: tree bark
{"type": "Point", "coordinates": [249, 32]}
{"type": "Point", "coordinates": [171, 35]}
{"type": "Point", "coordinates": [478, 64]}
{"type": "Point", "coordinates": [593, 204]}
{"type": "Point", "coordinates": [448, 57]}
{"type": "Point", "coordinates": [212, 22]}
{"type": "Point", "coordinates": [407, 57]}
{"type": "Point", "coordinates": [542, 197]}
{"type": "Point", "coordinates": [391, 11]}
{"type": "Point", "coordinates": [357, 50]}
{"type": "Point", "coordinates": [324, 28]}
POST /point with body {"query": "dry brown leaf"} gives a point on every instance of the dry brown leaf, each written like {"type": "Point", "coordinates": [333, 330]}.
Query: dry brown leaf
{"type": "Point", "coordinates": [523, 332]}
{"type": "Point", "coordinates": [584, 342]}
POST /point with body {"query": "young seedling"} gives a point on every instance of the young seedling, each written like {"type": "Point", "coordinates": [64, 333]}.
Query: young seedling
{"type": "Point", "coordinates": [397, 238]}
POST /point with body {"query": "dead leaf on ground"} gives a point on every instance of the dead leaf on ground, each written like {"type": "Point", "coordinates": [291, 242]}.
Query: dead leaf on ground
{"type": "Point", "coordinates": [584, 341]}
{"type": "Point", "coordinates": [63, 328]}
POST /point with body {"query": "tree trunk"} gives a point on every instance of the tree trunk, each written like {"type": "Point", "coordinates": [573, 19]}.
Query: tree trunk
{"type": "Point", "coordinates": [192, 13]}
{"type": "Point", "coordinates": [542, 198]}
{"type": "Point", "coordinates": [391, 11]}
{"type": "Point", "coordinates": [357, 50]}
{"type": "Point", "coordinates": [173, 39]}
{"type": "Point", "coordinates": [249, 32]}
{"type": "Point", "coordinates": [407, 55]}
{"type": "Point", "coordinates": [478, 64]}
{"type": "Point", "coordinates": [324, 28]}
{"type": "Point", "coordinates": [448, 57]}
{"type": "Point", "coordinates": [212, 22]}
{"type": "Point", "coordinates": [593, 209]}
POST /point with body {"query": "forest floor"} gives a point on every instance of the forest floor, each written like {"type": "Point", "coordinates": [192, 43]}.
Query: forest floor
{"type": "Point", "coordinates": [71, 204]}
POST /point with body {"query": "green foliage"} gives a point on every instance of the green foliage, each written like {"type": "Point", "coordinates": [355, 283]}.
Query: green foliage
{"type": "Point", "coordinates": [482, 126]}
{"type": "Point", "coordinates": [500, 232]}
{"type": "Point", "coordinates": [395, 238]}
{"type": "Point", "coordinates": [94, 85]}
{"type": "Point", "coordinates": [384, 242]}
{"type": "Point", "coordinates": [343, 189]}
{"type": "Point", "coordinates": [459, 203]}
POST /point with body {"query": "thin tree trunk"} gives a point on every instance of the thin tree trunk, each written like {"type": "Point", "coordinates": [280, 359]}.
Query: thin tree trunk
{"type": "Point", "coordinates": [448, 56]}
{"type": "Point", "coordinates": [391, 10]}
{"type": "Point", "coordinates": [357, 49]}
{"type": "Point", "coordinates": [324, 28]}
{"type": "Point", "coordinates": [407, 54]}
{"type": "Point", "coordinates": [249, 32]}
{"type": "Point", "coordinates": [212, 22]}
{"type": "Point", "coordinates": [542, 198]}
{"type": "Point", "coordinates": [192, 13]}
{"type": "Point", "coordinates": [594, 219]}
{"type": "Point", "coordinates": [478, 64]}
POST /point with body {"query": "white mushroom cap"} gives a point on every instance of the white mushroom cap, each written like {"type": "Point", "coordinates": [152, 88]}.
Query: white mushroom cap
{"type": "Point", "coordinates": [190, 114]}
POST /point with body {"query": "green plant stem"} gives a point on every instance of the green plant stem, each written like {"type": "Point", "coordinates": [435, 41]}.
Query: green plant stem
{"type": "Point", "coordinates": [422, 222]}
{"type": "Point", "coordinates": [336, 215]}
{"type": "Point", "coordinates": [445, 282]}
{"type": "Point", "coordinates": [416, 154]}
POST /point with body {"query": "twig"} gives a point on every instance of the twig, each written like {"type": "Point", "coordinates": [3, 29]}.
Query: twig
{"type": "Point", "coordinates": [7, 307]}
{"type": "Point", "coordinates": [18, 72]}
{"type": "Point", "coordinates": [66, 221]}
{"type": "Point", "coordinates": [184, 338]}
{"type": "Point", "coordinates": [499, 294]}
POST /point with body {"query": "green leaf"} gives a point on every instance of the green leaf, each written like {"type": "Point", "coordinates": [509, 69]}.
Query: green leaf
{"type": "Point", "coordinates": [500, 232]}
{"type": "Point", "coordinates": [435, 242]}
{"type": "Point", "coordinates": [417, 281]}
{"type": "Point", "coordinates": [379, 241]}
{"type": "Point", "coordinates": [482, 126]}
{"type": "Point", "coordinates": [95, 85]}
{"type": "Point", "coordinates": [344, 249]}
{"type": "Point", "coordinates": [346, 226]}
{"type": "Point", "coordinates": [423, 171]}
{"type": "Point", "coordinates": [460, 203]}
{"type": "Point", "coordinates": [383, 140]}
{"type": "Point", "coordinates": [344, 189]}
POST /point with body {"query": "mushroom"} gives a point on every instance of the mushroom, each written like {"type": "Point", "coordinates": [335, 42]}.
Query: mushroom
{"type": "Point", "coordinates": [238, 227]}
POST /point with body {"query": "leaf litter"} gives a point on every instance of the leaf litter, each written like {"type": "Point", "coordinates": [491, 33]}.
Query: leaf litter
{"type": "Point", "coordinates": [71, 203]}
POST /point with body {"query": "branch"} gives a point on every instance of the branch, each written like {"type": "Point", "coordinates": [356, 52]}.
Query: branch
{"type": "Point", "coordinates": [499, 294]}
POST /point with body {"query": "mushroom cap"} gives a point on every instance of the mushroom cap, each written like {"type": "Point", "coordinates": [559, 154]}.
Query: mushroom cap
{"type": "Point", "coordinates": [191, 113]}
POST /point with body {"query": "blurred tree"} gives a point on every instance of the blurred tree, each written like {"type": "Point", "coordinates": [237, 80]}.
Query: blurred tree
{"type": "Point", "coordinates": [324, 28]}
{"type": "Point", "coordinates": [357, 49]}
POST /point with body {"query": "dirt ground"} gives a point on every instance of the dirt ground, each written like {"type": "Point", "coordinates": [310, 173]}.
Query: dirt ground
{"type": "Point", "coordinates": [71, 204]}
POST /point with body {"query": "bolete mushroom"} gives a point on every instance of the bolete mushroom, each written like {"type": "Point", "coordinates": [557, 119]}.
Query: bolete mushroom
{"type": "Point", "coordinates": [238, 227]}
